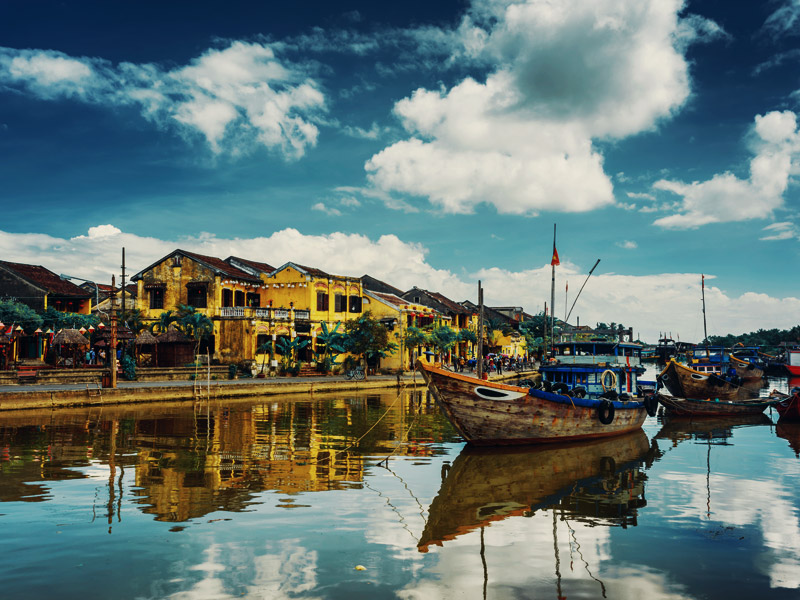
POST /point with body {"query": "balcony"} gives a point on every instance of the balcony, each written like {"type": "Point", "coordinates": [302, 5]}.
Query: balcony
{"type": "Point", "coordinates": [243, 312]}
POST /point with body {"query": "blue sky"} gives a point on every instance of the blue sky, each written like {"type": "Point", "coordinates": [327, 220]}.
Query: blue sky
{"type": "Point", "coordinates": [426, 143]}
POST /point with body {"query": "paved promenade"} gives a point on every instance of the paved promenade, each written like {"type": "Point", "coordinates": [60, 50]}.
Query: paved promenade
{"type": "Point", "coordinates": [20, 397]}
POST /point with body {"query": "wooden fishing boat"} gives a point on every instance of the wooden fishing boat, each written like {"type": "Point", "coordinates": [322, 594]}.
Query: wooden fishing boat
{"type": "Point", "coordinates": [597, 479]}
{"type": "Point", "coordinates": [714, 407]}
{"type": "Point", "coordinates": [489, 413]}
{"type": "Point", "coordinates": [685, 382]}
{"type": "Point", "coordinates": [787, 405]}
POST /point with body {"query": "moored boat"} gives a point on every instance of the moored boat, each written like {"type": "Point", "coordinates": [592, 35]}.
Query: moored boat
{"type": "Point", "coordinates": [490, 413]}
{"type": "Point", "coordinates": [714, 408]}
{"type": "Point", "coordinates": [788, 406]}
{"type": "Point", "coordinates": [685, 382]}
{"type": "Point", "coordinates": [793, 360]}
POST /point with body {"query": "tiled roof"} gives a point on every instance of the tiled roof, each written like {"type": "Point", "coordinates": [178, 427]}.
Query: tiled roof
{"type": "Point", "coordinates": [376, 285]}
{"type": "Point", "coordinates": [220, 265]}
{"type": "Point", "coordinates": [453, 306]}
{"type": "Point", "coordinates": [258, 266]}
{"type": "Point", "coordinates": [46, 280]}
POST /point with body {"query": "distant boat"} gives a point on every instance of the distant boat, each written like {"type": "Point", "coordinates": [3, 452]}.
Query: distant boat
{"type": "Point", "coordinates": [715, 407]}
{"type": "Point", "coordinates": [489, 413]}
{"type": "Point", "coordinates": [793, 361]}
{"type": "Point", "coordinates": [685, 382]}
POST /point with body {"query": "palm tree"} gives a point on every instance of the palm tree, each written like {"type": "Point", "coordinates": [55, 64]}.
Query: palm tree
{"type": "Point", "coordinates": [197, 326]}
{"type": "Point", "coordinates": [165, 319]}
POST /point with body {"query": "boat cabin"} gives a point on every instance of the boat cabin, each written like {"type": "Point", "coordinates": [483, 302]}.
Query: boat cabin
{"type": "Point", "coordinates": [599, 352]}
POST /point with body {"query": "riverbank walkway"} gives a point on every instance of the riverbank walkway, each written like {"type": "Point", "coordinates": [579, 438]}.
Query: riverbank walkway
{"type": "Point", "coordinates": [49, 395]}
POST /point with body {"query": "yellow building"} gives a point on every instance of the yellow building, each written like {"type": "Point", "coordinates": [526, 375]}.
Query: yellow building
{"type": "Point", "coordinates": [398, 315]}
{"type": "Point", "coordinates": [232, 298]}
{"type": "Point", "coordinates": [302, 298]}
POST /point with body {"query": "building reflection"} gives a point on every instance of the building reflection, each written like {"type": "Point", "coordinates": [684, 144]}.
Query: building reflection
{"type": "Point", "coordinates": [193, 459]}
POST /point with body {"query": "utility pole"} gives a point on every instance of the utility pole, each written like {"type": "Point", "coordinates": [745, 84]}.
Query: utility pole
{"type": "Point", "coordinates": [112, 344]}
{"type": "Point", "coordinates": [479, 358]}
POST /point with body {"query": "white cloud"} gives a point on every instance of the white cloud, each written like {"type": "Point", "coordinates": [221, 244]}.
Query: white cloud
{"type": "Point", "coordinates": [627, 244]}
{"type": "Point", "coordinates": [321, 207]}
{"type": "Point", "coordinates": [648, 303]}
{"type": "Point", "coordinates": [564, 75]}
{"type": "Point", "coordinates": [237, 98]}
{"type": "Point", "coordinates": [775, 143]}
{"type": "Point", "coordinates": [785, 20]}
{"type": "Point", "coordinates": [781, 231]}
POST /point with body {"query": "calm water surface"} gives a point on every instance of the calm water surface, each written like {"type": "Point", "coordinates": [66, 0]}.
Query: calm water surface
{"type": "Point", "coordinates": [286, 497]}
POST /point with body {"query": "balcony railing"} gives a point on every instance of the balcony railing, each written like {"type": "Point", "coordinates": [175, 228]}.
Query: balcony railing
{"type": "Point", "coordinates": [243, 312]}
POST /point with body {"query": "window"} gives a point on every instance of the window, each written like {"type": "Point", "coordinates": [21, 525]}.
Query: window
{"type": "Point", "coordinates": [339, 303]}
{"type": "Point", "coordinates": [263, 343]}
{"type": "Point", "coordinates": [238, 298]}
{"type": "Point", "coordinates": [227, 297]}
{"type": "Point", "coordinates": [156, 298]}
{"type": "Point", "coordinates": [253, 299]}
{"type": "Point", "coordinates": [322, 301]}
{"type": "Point", "coordinates": [355, 304]}
{"type": "Point", "coordinates": [196, 295]}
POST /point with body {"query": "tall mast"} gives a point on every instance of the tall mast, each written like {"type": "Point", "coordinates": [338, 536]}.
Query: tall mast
{"type": "Point", "coordinates": [553, 291]}
{"type": "Point", "coordinates": [705, 329]}
{"type": "Point", "coordinates": [479, 358]}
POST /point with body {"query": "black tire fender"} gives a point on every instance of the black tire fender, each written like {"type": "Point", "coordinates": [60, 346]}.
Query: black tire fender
{"type": "Point", "coordinates": [651, 404]}
{"type": "Point", "coordinates": [605, 411]}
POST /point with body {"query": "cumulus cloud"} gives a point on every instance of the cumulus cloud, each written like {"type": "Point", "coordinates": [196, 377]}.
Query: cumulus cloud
{"type": "Point", "coordinates": [563, 75]}
{"type": "Point", "coordinates": [627, 244]}
{"type": "Point", "coordinates": [236, 99]}
{"type": "Point", "coordinates": [648, 303]}
{"type": "Point", "coordinates": [775, 143]}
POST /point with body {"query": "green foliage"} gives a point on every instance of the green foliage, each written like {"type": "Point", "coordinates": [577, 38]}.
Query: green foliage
{"type": "Point", "coordinates": [165, 319]}
{"type": "Point", "coordinates": [414, 336]}
{"type": "Point", "coordinates": [16, 313]}
{"type": "Point", "coordinates": [128, 367]}
{"type": "Point", "coordinates": [768, 339]}
{"type": "Point", "coordinates": [289, 349]}
{"type": "Point", "coordinates": [133, 320]}
{"type": "Point", "coordinates": [467, 335]}
{"type": "Point", "coordinates": [55, 320]}
{"type": "Point", "coordinates": [443, 338]}
{"type": "Point", "coordinates": [534, 330]}
{"type": "Point", "coordinates": [332, 343]}
{"type": "Point", "coordinates": [368, 337]}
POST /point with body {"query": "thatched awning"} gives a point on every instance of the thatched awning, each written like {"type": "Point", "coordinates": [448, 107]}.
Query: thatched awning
{"type": "Point", "coordinates": [173, 336]}
{"type": "Point", "coordinates": [71, 337]}
{"type": "Point", "coordinates": [123, 333]}
{"type": "Point", "coordinates": [145, 339]}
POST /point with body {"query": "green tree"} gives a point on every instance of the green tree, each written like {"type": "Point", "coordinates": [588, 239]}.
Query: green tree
{"type": "Point", "coordinates": [165, 319]}
{"type": "Point", "coordinates": [18, 314]}
{"type": "Point", "coordinates": [367, 338]}
{"type": "Point", "coordinates": [443, 339]}
{"type": "Point", "coordinates": [332, 343]}
{"type": "Point", "coordinates": [197, 326]}
{"type": "Point", "coordinates": [55, 320]}
{"type": "Point", "coordinates": [289, 350]}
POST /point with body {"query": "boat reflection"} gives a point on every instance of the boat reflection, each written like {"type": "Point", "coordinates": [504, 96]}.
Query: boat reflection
{"type": "Point", "coordinates": [718, 429]}
{"type": "Point", "coordinates": [599, 482]}
{"type": "Point", "coordinates": [790, 431]}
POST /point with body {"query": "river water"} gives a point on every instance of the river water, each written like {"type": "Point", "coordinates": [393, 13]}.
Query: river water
{"type": "Point", "coordinates": [374, 496]}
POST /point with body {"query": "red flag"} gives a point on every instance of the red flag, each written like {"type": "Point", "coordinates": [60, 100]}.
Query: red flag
{"type": "Point", "coordinates": [555, 262]}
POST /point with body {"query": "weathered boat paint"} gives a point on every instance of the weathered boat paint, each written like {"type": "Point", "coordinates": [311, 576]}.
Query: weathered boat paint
{"type": "Point", "coordinates": [518, 415]}
{"type": "Point", "coordinates": [685, 382]}
{"type": "Point", "coordinates": [714, 408]}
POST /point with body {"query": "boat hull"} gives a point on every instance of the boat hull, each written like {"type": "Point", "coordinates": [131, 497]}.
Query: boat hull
{"type": "Point", "coordinates": [789, 408]}
{"type": "Point", "coordinates": [684, 382]}
{"type": "Point", "coordinates": [713, 408]}
{"type": "Point", "coordinates": [487, 413]}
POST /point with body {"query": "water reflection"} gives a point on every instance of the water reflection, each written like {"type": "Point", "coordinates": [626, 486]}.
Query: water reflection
{"type": "Point", "coordinates": [193, 459]}
{"type": "Point", "coordinates": [599, 482]}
